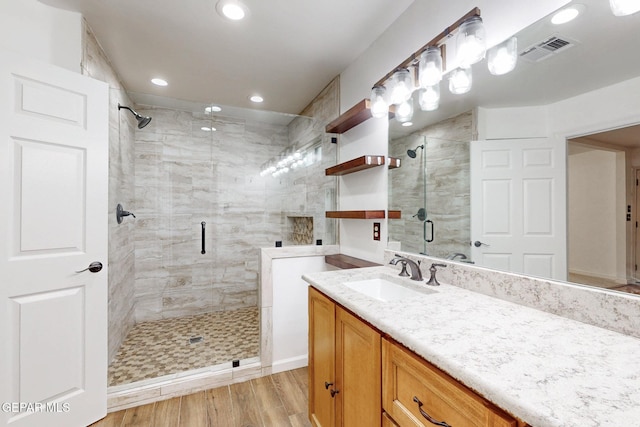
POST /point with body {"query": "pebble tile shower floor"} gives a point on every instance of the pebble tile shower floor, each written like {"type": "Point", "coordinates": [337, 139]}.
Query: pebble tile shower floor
{"type": "Point", "coordinates": [163, 347]}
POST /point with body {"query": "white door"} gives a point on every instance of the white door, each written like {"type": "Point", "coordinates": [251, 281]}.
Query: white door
{"type": "Point", "coordinates": [53, 222]}
{"type": "Point", "coordinates": [518, 208]}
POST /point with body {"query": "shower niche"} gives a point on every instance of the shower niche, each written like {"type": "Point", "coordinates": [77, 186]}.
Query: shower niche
{"type": "Point", "coordinates": [300, 230]}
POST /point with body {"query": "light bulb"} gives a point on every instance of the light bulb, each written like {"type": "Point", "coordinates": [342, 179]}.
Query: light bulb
{"type": "Point", "coordinates": [503, 57]}
{"type": "Point", "coordinates": [429, 98]}
{"type": "Point", "coordinates": [624, 7]}
{"type": "Point", "coordinates": [404, 111]}
{"type": "Point", "coordinates": [430, 67]}
{"type": "Point", "coordinates": [460, 81]}
{"type": "Point", "coordinates": [379, 107]}
{"type": "Point", "coordinates": [470, 42]}
{"type": "Point", "coordinates": [402, 86]}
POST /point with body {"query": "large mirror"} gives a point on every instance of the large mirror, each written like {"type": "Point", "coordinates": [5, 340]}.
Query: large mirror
{"type": "Point", "coordinates": [594, 197]}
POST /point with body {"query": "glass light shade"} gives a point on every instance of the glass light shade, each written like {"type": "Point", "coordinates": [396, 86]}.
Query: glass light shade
{"type": "Point", "coordinates": [624, 7]}
{"type": "Point", "coordinates": [470, 42]}
{"type": "Point", "coordinates": [379, 106]}
{"type": "Point", "coordinates": [404, 111]}
{"type": "Point", "coordinates": [503, 57]}
{"type": "Point", "coordinates": [429, 98]}
{"type": "Point", "coordinates": [460, 81]}
{"type": "Point", "coordinates": [401, 87]}
{"type": "Point", "coordinates": [430, 67]}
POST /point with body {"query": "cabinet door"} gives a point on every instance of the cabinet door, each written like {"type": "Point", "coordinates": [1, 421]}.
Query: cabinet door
{"type": "Point", "coordinates": [358, 372]}
{"type": "Point", "coordinates": [321, 359]}
{"type": "Point", "coordinates": [406, 378]}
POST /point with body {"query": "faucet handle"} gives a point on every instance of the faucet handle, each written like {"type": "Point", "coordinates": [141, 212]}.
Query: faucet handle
{"type": "Point", "coordinates": [433, 281]}
{"type": "Point", "coordinates": [404, 272]}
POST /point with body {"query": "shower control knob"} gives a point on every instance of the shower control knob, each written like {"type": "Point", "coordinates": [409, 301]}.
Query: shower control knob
{"type": "Point", "coordinates": [94, 267]}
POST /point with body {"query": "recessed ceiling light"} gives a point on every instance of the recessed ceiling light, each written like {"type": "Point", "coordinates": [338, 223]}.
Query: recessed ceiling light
{"type": "Point", "coordinates": [256, 98]}
{"type": "Point", "coordinates": [567, 14]}
{"type": "Point", "coordinates": [212, 109]}
{"type": "Point", "coordinates": [159, 82]}
{"type": "Point", "coordinates": [232, 9]}
{"type": "Point", "coordinates": [407, 124]}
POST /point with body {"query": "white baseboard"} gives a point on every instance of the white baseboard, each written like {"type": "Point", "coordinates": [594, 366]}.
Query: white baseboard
{"type": "Point", "coordinates": [289, 364]}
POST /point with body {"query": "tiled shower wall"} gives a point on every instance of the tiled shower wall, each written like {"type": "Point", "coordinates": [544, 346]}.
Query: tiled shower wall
{"type": "Point", "coordinates": [121, 190]}
{"type": "Point", "coordinates": [446, 156]}
{"type": "Point", "coordinates": [185, 176]}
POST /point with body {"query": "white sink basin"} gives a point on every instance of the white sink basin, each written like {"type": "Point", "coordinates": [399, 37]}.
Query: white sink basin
{"type": "Point", "coordinates": [384, 290]}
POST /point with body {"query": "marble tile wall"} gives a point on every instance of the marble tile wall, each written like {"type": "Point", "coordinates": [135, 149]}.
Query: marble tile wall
{"type": "Point", "coordinates": [185, 176]}
{"type": "Point", "coordinates": [121, 190]}
{"type": "Point", "coordinates": [445, 160]}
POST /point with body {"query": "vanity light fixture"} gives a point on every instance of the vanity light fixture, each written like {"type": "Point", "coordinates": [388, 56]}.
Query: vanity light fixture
{"type": "Point", "coordinates": [401, 86]}
{"type": "Point", "coordinates": [379, 106]}
{"type": "Point", "coordinates": [159, 82]}
{"type": "Point", "coordinates": [624, 7]}
{"type": "Point", "coordinates": [502, 58]}
{"type": "Point", "coordinates": [212, 109]}
{"type": "Point", "coordinates": [470, 43]}
{"type": "Point", "coordinates": [429, 62]}
{"type": "Point", "coordinates": [208, 129]}
{"type": "Point", "coordinates": [233, 10]}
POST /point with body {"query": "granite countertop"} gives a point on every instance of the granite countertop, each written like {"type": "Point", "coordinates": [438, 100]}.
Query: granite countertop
{"type": "Point", "coordinates": [544, 369]}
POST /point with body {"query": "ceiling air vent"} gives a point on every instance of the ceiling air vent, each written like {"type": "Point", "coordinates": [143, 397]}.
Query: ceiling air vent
{"type": "Point", "coordinates": [544, 49]}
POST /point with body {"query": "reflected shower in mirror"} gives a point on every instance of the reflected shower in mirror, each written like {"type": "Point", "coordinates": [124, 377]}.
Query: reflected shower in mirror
{"type": "Point", "coordinates": [535, 102]}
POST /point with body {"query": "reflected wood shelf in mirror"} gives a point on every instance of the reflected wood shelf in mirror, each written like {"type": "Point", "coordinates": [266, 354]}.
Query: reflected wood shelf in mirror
{"type": "Point", "coordinates": [373, 214]}
{"type": "Point", "coordinates": [394, 162]}
{"type": "Point", "coordinates": [355, 165]}
{"type": "Point", "coordinates": [359, 113]}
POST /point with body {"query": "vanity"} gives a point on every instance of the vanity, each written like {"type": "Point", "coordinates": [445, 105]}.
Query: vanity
{"type": "Point", "coordinates": [461, 357]}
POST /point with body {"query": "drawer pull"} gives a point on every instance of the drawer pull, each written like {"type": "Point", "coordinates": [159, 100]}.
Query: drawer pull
{"type": "Point", "coordinates": [427, 416]}
{"type": "Point", "coordinates": [327, 385]}
{"type": "Point", "coordinates": [334, 392]}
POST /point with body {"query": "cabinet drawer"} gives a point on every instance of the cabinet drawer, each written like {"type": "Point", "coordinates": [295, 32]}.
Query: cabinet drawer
{"type": "Point", "coordinates": [405, 376]}
{"type": "Point", "coordinates": [387, 421]}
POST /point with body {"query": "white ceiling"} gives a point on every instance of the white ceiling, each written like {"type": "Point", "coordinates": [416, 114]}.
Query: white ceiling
{"type": "Point", "coordinates": [286, 50]}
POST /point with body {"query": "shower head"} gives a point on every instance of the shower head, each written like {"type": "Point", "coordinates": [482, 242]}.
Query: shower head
{"type": "Point", "coordinates": [412, 153]}
{"type": "Point", "coordinates": [142, 120]}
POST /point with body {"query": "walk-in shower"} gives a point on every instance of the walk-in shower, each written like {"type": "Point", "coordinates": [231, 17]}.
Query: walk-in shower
{"type": "Point", "coordinates": [202, 212]}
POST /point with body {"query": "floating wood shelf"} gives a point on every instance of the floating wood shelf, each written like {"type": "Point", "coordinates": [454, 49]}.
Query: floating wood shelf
{"type": "Point", "coordinates": [353, 117]}
{"type": "Point", "coordinates": [362, 214]}
{"type": "Point", "coordinates": [394, 162]}
{"type": "Point", "coordinates": [346, 261]}
{"type": "Point", "coordinates": [355, 165]}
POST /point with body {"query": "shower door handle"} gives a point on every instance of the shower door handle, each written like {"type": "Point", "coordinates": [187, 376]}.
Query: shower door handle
{"type": "Point", "coordinates": [424, 231]}
{"type": "Point", "coordinates": [203, 224]}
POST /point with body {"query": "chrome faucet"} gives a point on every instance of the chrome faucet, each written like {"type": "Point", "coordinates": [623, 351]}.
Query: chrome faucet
{"type": "Point", "coordinates": [455, 255]}
{"type": "Point", "coordinates": [416, 274]}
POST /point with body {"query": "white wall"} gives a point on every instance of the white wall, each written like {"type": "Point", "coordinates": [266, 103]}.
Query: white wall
{"type": "Point", "coordinates": [42, 32]}
{"type": "Point", "coordinates": [363, 190]}
{"type": "Point", "coordinates": [290, 310]}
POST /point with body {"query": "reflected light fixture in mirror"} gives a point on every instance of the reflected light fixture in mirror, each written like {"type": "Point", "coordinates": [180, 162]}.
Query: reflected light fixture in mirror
{"type": "Point", "coordinates": [233, 10]}
{"type": "Point", "coordinates": [429, 98]}
{"type": "Point", "coordinates": [460, 81]}
{"type": "Point", "coordinates": [624, 7]}
{"type": "Point", "coordinates": [404, 111]}
{"type": "Point", "coordinates": [470, 42]}
{"type": "Point", "coordinates": [502, 58]}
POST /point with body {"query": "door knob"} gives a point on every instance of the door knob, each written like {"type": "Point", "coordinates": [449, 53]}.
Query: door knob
{"type": "Point", "coordinates": [94, 267]}
{"type": "Point", "coordinates": [478, 243]}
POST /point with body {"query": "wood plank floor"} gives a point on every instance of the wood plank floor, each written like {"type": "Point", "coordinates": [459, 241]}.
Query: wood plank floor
{"type": "Point", "coordinates": [279, 400]}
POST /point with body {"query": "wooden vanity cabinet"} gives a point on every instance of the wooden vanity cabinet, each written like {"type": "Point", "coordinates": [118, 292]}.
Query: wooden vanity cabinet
{"type": "Point", "coordinates": [407, 379]}
{"type": "Point", "coordinates": [344, 367]}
